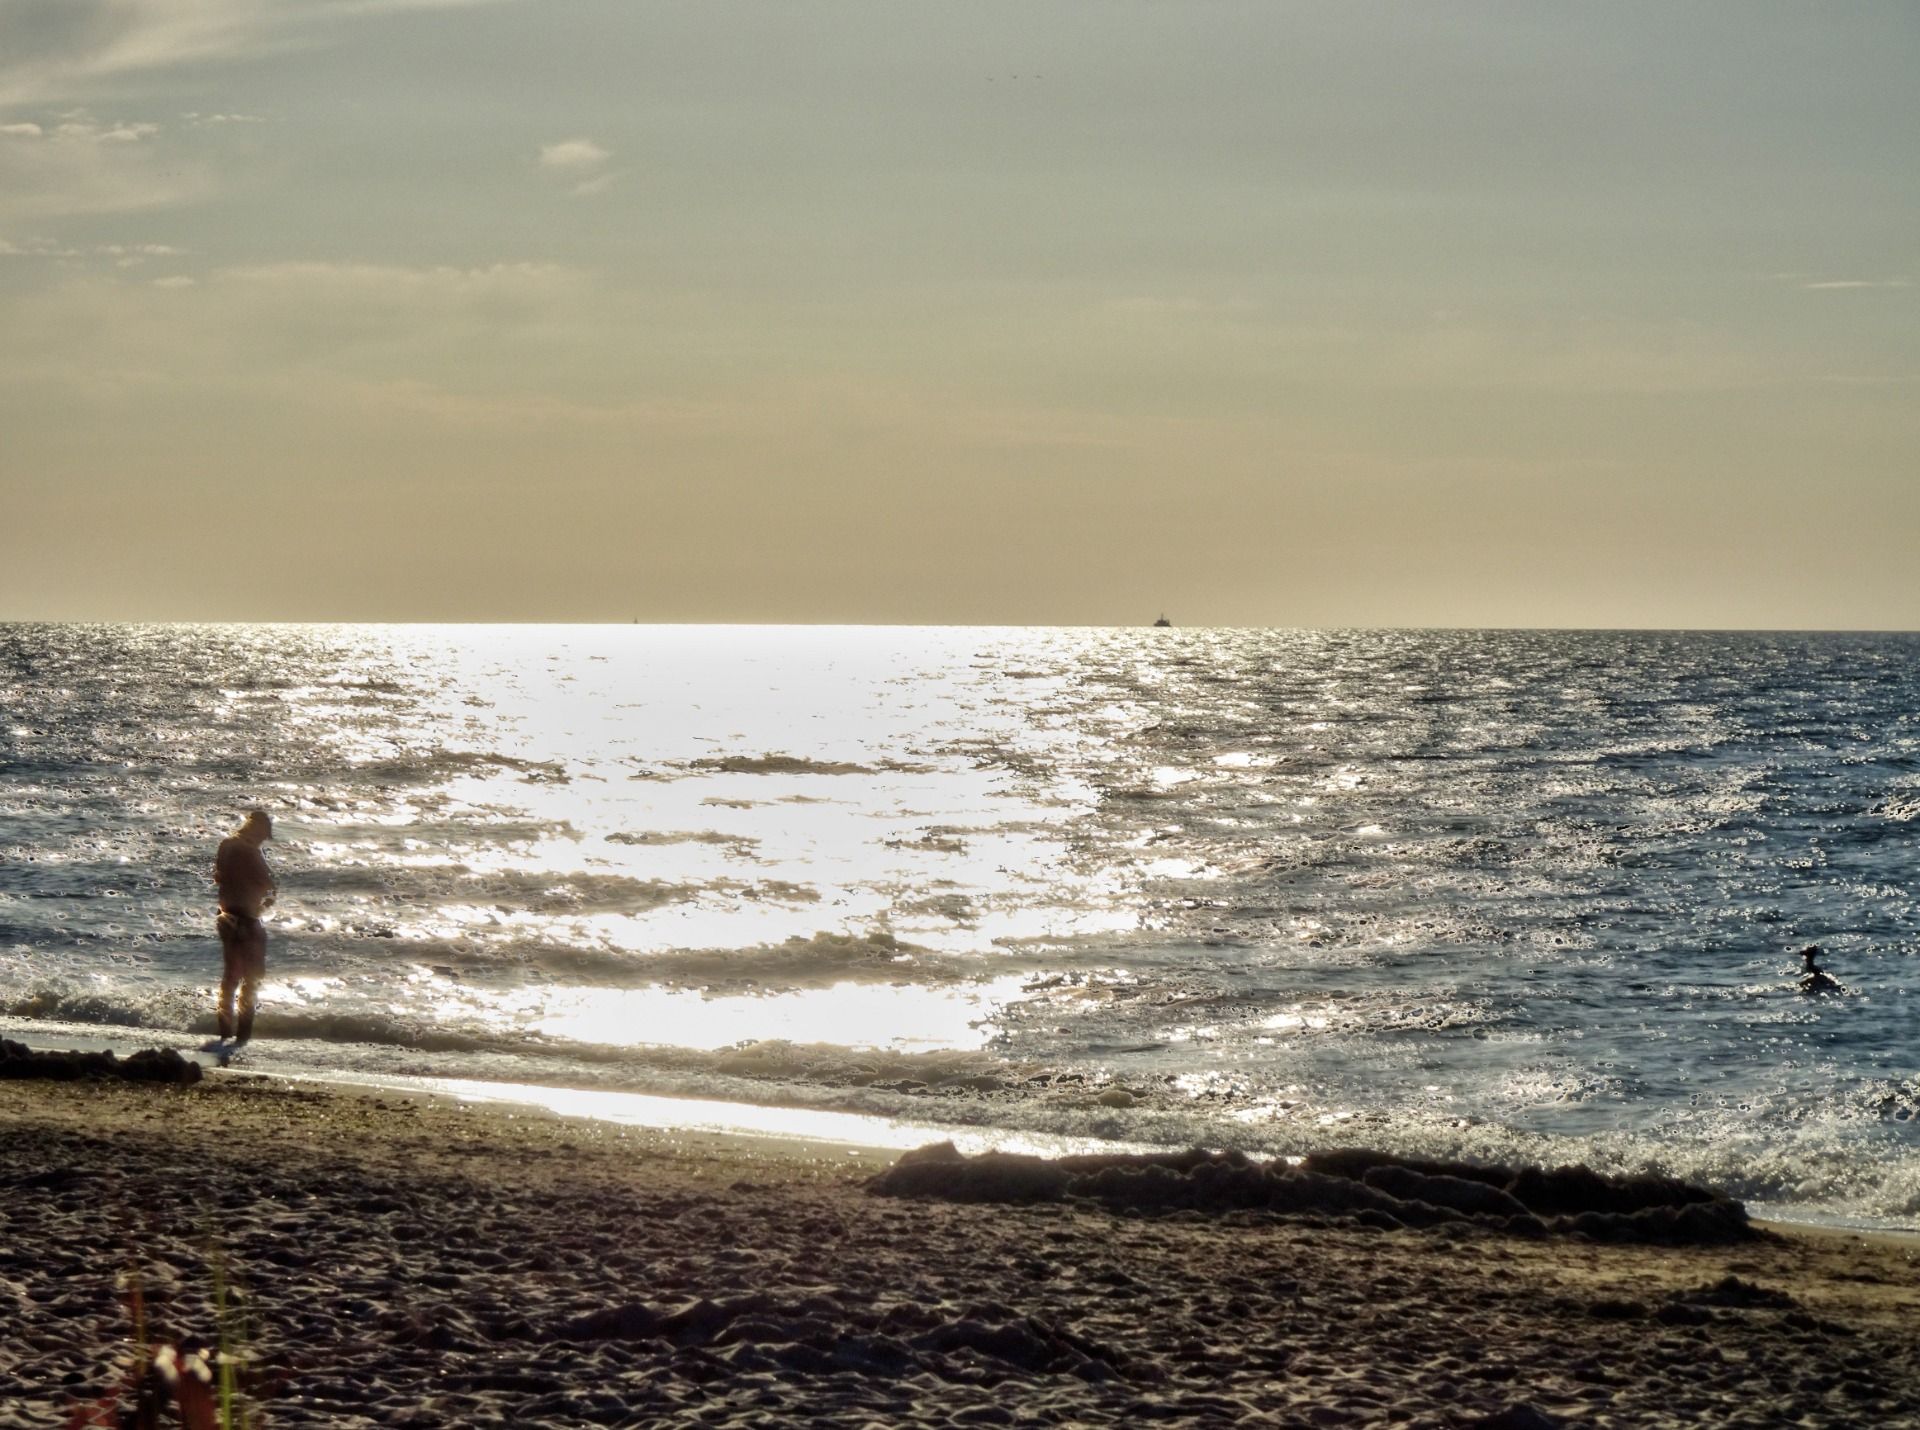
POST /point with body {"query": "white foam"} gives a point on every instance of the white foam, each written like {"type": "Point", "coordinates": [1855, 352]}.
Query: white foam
{"type": "Point", "coordinates": [709, 1115]}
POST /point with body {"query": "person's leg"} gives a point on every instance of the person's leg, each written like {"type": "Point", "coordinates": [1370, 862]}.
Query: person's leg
{"type": "Point", "coordinates": [253, 967]}
{"type": "Point", "coordinates": [230, 970]}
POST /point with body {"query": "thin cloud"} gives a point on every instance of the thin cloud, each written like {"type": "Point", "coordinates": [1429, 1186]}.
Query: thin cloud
{"type": "Point", "coordinates": [402, 301]}
{"type": "Point", "coordinates": [64, 50]}
{"type": "Point", "coordinates": [124, 255]}
{"type": "Point", "coordinates": [79, 127]}
{"type": "Point", "coordinates": [384, 276]}
{"type": "Point", "coordinates": [78, 164]}
{"type": "Point", "coordinates": [1833, 283]}
{"type": "Point", "coordinates": [132, 255]}
{"type": "Point", "coordinates": [573, 155]}
{"type": "Point", "coordinates": [117, 134]}
{"type": "Point", "coordinates": [580, 157]}
{"type": "Point", "coordinates": [316, 331]}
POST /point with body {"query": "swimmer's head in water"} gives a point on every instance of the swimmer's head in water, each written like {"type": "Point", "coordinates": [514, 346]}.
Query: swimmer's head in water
{"type": "Point", "coordinates": [257, 825]}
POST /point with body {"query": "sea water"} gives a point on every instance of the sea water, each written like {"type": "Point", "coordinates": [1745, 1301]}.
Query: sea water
{"type": "Point", "coordinates": [1499, 895]}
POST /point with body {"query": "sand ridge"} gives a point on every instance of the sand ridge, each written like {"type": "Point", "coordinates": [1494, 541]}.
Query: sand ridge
{"type": "Point", "coordinates": [409, 1262]}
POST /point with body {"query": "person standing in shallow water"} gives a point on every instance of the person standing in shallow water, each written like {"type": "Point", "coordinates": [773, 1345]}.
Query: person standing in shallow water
{"type": "Point", "coordinates": [247, 889]}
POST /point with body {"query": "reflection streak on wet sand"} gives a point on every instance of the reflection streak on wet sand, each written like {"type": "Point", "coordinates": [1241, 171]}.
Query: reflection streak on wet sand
{"type": "Point", "coordinates": [705, 1115]}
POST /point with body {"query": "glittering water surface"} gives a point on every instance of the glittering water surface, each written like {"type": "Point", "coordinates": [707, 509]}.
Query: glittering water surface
{"type": "Point", "coordinates": [1501, 894]}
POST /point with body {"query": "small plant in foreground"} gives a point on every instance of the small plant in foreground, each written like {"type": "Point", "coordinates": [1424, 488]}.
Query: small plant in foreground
{"type": "Point", "coordinates": [199, 1384]}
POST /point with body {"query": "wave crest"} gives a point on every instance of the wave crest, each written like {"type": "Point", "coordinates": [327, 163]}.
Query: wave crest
{"type": "Point", "coordinates": [820, 961]}
{"type": "Point", "coordinates": [781, 764]}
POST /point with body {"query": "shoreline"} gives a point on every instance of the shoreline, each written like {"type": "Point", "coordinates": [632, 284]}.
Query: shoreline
{"type": "Point", "coordinates": [408, 1261]}
{"type": "Point", "coordinates": [673, 1114]}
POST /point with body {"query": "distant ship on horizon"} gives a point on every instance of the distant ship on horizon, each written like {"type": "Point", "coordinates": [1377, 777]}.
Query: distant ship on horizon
{"type": "Point", "coordinates": [1163, 621]}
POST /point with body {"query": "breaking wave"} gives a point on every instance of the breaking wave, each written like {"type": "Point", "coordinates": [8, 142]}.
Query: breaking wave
{"type": "Point", "coordinates": [797, 765]}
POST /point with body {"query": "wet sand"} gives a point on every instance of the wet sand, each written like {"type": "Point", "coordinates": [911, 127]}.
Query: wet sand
{"type": "Point", "coordinates": [412, 1262]}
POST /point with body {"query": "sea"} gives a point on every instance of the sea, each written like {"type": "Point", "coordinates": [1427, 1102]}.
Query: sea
{"type": "Point", "coordinates": [1497, 895]}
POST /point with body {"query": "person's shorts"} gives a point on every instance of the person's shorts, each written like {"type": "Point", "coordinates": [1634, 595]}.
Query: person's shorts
{"type": "Point", "coordinates": [236, 927]}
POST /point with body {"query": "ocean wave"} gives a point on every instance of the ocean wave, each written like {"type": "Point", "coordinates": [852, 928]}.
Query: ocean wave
{"type": "Point", "coordinates": [190, 1011]}
{"type": "Point", "coordinates": [520, 891]}
{"type": "Point", "coordinates": [820, 961]}
{"type": "Point", "coordinates": [931, 842]}
{"type": "Point", "coordinates": [777, 765]}
{"type": "Point", "coordinates": [185, 1013]}
{"type": "Point", "coordinates": [427, 767]}
{"type": "Point", "coordinates": [1818, 1168]}
{"type": "Point", "coordinates": [492, 951]}
{"type": "Point", "coordinates": [173, 1009]}
{"type": "Point", "coordinates": [492, 954]}
{"type": "Point", "coordinates": [657, 838]}
{"type": "Point", "coordinates": [828, 1064]}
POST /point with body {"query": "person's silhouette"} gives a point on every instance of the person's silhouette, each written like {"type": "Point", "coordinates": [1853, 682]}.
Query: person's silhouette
{"type": "Point", "coordinates": [246, 891]}
{"type": "Point", "coordinates": [1814, 978]}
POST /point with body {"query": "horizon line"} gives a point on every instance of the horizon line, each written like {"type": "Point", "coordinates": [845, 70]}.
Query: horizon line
{"type": "Point", "coordinates": [966, 625]}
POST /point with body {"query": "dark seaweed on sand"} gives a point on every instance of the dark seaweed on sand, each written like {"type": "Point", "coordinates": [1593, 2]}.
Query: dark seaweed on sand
{"type": "Point", "coordinates": [17, 1060]}
{"type": "Point", "coordinates": [1369, 1188]}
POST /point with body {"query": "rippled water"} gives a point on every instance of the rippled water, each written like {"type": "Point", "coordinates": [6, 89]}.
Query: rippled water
{"type": "Point", "coordinates": [1502, 894]}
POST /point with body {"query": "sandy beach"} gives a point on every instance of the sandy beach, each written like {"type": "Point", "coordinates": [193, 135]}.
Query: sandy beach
{"type": "Point", "coordinates": [416, 1262]}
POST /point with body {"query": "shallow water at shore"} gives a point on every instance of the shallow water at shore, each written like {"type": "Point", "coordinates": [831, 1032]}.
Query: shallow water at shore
{"type": "Point", "coordinates": [1517, 896]}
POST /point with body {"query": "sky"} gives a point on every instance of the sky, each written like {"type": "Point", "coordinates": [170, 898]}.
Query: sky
{"type": "Point", "coordinates": [1264, 314]}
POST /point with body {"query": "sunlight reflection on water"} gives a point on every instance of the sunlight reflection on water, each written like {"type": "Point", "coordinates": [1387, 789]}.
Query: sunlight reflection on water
{"type": "Point", "coordinates": [1423, 883]}
{"type": "Point", "coordinates": [853, 1015]}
